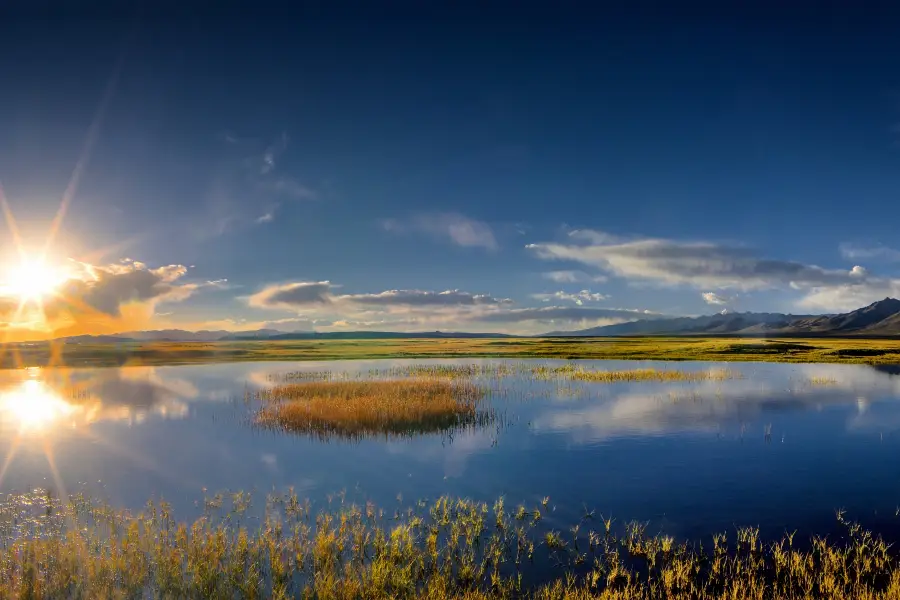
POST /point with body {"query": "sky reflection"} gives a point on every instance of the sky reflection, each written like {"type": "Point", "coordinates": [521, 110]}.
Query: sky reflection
{"type": "Point", "coordinates": [130, 434]}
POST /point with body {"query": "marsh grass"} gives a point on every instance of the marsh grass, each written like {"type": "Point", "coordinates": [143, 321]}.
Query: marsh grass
{"type": "Point", "coordinates": [376, 408]}
{"type": "Point", "coordinates": [496, 371]}
{"type": "Point", "coordinates": [579, 373]}
{"type": "Point", "coordinates": [454, 371]}
{"type": "Point", "coordinates": [450, 548]}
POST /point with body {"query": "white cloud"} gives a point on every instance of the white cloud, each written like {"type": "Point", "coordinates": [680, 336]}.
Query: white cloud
{"type": "Point", "coordinates": [572, 277]}
{"type": "Point", "coordinates": [578, 298]}
{"type": "Point", "coordinates": [423, 298]}
{"type": "Point", "coordinates": [712, 265]}
{"type": "Point", "coordinates": [454, 227]}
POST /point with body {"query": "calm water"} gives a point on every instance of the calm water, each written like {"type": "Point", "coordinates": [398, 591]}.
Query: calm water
{"type": "Point", "coordinates": [691, 458]}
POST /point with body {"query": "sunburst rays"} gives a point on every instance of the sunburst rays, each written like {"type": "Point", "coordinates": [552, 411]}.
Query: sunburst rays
{"type": "Point", "coordinates": [66, 200]}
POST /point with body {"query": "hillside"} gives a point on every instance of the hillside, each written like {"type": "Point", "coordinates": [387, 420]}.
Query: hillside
{"type": "Point", "coordinates": [879, 319]}
{"type": "Point", "coordinates": [717, 324]}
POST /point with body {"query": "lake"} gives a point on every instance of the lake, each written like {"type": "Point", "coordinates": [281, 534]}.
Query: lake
{"type": "Point", "coordinates": [782, 447]}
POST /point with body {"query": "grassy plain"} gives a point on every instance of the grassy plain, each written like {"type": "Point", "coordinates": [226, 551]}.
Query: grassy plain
{"type": "Point", "coordinates": [449, 548]}
{"type": "Point", "coordinates": [826, 350]}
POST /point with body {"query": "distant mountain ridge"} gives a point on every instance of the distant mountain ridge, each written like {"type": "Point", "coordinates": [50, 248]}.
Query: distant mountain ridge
{"type": "Point", "coordinates": [879, 319]}
{"type": "Point", "coordinates": [181, 335]}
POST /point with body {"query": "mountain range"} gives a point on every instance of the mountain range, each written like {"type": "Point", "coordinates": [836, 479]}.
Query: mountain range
{"type": "Point", "coordinates": [880, 319]}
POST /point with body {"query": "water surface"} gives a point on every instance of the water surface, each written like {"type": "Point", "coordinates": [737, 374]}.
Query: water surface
{"type": "Point", "coordinates": [772, 449]}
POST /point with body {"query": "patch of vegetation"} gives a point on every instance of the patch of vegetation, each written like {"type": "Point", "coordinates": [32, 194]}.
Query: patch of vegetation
{"type": "Point", "coordinates": [452, 371]}
{"type": "Point", "coordinates": [361, 409]}
{"type": "Point", "coordinates": [857, 352]}
{"type": "Point", "coordinates": [767, 348]}
{"type": "Point", "coordinates": [451, 548]}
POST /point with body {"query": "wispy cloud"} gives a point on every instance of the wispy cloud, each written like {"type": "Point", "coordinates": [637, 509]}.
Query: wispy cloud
{"type": "Point", "coordinates": [876, 252]}
{"type": "Point", "coordinates": [552, 314]}
{"type": "Point", "coordinates": [251, 185]}
{"type": "Point", "coordinates": [706, 265]}
{"type": "Point", "coordinates": [578, 298]}
{"type": "Point", "coordinates": [304, 294]}
{"type": "Point", "coordinates": [573, 277]}
{"type": "Point", "coordinates": [454, 227]}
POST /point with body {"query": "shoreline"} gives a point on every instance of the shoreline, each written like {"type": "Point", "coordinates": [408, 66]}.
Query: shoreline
{"type": "Point", "coordinates": [712, 349]}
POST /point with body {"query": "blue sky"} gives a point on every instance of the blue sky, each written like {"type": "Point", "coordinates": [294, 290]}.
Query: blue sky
{"type": "Point", "coordinates": [546, 170]}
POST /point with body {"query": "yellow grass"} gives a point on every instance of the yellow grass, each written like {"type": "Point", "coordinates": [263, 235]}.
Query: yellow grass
{"type": "Point", "coordinates": [451, 548]}
{"type": "Point", "coordinates": [358, 409]}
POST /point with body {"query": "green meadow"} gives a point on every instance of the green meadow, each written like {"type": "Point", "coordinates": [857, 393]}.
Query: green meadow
{"type": "Point", "coordinates": [824, 350]}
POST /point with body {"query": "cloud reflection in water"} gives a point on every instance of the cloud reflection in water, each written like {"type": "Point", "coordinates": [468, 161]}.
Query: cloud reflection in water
{"type": "Point", "coordinates": [655, 409]}
{"type": "Point", "coordinates": [36, 401]}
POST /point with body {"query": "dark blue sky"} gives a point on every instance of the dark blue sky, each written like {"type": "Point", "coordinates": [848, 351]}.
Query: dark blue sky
{"type": "Point", "coordinates": [754, 157]}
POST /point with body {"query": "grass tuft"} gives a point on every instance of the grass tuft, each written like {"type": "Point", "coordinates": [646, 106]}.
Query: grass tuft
{"type": "Point", "coordinates": [361, 409]}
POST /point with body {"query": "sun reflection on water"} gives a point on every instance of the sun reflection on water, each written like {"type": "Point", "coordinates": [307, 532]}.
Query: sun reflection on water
{"type": "Point", "coordinates": [35, 407]}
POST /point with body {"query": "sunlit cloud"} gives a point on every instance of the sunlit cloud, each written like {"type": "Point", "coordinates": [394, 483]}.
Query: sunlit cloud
{"type": "Point", "coordinates": [100, 298]}
{"type": "Point", "coordinates": [715, 299]}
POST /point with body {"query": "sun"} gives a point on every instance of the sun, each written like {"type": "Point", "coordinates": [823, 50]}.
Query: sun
{"type": "Point", "coordinates": [32, 280]}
